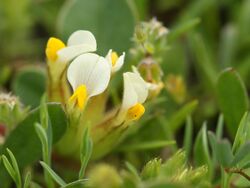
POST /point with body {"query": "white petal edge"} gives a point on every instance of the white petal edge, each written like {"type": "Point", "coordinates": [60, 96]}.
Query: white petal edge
{"type": "Point", "coordinates": [135, 70]}
{"type": "Point", "coordinates": [109, 58]}
{"type": "Point", "coordinates": [119, 63]}
{"type": "Point", "coordinates": [139, 86]}
{"type": "Point", "coordinates": [130, 97]}
{"type": "Point", "coordinates": [91, 70]}
{"type": "Point", "coordinates": [69, 53]}
{"type": "Point", "coordinates": [150, 86]}
{"type": "Point", "coordinates": [82, 37]}
{"type": "Point", "coordinates": [135, 90]}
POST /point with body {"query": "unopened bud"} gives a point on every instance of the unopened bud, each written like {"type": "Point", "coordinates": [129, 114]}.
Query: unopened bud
{"type": "Point", "coordinates": [151, 169]}
{"type": "Point", "coordinates": [140, 35]}
{"type": "Point", "coordinates": [11, 110]}
{"type": "Point", "coordinates": [104, 176]}
{"type": "Point", "coordinates": [151, 72]}
{"type": "Point", "coordinates": [176, 87]}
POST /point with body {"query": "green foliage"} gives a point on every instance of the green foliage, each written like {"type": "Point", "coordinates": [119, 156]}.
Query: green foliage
{"type": "Point", "coordinates": [205, 43]}
{"type": "Point", "coordinates": [151, 169]}
{"type": "Point", "coordinates": [86, 151]}
{"type": "Point", "coordinates": [179, 117]}
{"type": "Point", "coordinates": [29, 86]}
{"type": "Point", "coordinates": [12, 168]}
{"type": "Point", "coordinates": [111, 29]}
{"type": "Point", "coordinates": [187, 142]}
{"type": "Point", "coordinates": [27, 180]}
{"type": "Point", "coordinates": [146, 146]}
{"type": "Point", "coordinates": [201, 150]}
{"type": "Point", "coordinates": [53, 174]}
{"type": "Point", "coordinates": [24, 137]}
{"type": "Point", "coordinates": [230, 87]}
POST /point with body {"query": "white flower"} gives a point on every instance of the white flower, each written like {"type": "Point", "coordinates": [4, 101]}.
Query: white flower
{"type": "Point", "coordinates": [78, 43]}
{"type": "Point", "coordinates": [150, 86]}
{"type": "Point", "coordinates": [134, 95]}
{"type": "Point", "coordinates": [115, 62]}
{"type": "Point", "coordinates": [89, 75]}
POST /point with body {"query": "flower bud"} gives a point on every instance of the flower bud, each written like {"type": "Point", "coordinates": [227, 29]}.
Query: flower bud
{"type": "Point", "coordinates": [176, 87]}
{"type": "Point", "coordinates": [151, 72]}
{"type": "Point", "coordinates": [11, 111]}
{"type": "Point", "coordinates": [151, 169]}
{"type": "Point", "coordinates": [140, 34]}
{"type": "Point", "coordinates": [104, 176]}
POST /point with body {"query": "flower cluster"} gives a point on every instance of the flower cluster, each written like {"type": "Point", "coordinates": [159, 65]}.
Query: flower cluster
{"type": "Point", "coordinates": [89, 75]}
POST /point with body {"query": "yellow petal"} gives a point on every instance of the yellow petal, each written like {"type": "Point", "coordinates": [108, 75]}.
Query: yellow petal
{"type": "Point", "coordinates": [114, 58]}
{"type": "Point", "coordinates": [53, 45]}
{"type": "Point", "coordinates": [79, 97]}
{"type": "Point", "coordinates": [135, 112]}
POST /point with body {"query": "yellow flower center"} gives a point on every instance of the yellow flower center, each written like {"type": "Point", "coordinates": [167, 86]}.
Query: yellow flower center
{"type": "Point", "coordinates": [79, 97]}
{"type": "Point", "coordinates": [53, 45]}
{"type": "Point", "coordinates": [135, 112]}
{"type": "Point", "coordinates": [114, 58]}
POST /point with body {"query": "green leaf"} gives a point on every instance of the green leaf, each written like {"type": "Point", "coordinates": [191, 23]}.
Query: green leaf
{"type": "Point", "coordinates": [224, 153]}
{"type": "Point", "coordinates": [9, 168]}
{"type": "Point", "coordinates": [27, 180]}
{"type": "Point", "coordinates": [232, 98]}
{"type": "Point", "coordinates": [241, 154]}
{"type": "Point", "coordinates": [187, 145]}
{"type": "Point", "coordinates": [41, 134]}
{"type": "Point", "coordinates": [213, 142]}
{"type": "Point", "coordinates": [29, 86]}
{"type": "Point", "coordinates": [112, 29]}
{"type": "Point", "coordinates": [73, 184]}
{"type": "Point", "coordinates": [205, 68]}
{"type": "Point", "coordinates": [86, 151]}
{"type": "Point", "coordinates": [228, 45]}
{"type": "Point", "coordinates": [180, 116]}
{"type": "Point", "coordinates": [146, 145]}
{"type": "Point", "coordinates": [15, 167]}
{"type": "Point", "coordinates": [246, 166]}
{"type": "Point", "coordinates": [219, 127]}
{"type": "Point", "coordinates": [201, 150]}
{"type": "Point", "coordinates": [53, 174]}
{"type": "Point", "coordinates": [221, 149]}
{"type": "Point", "coordinates": [132, 170]}
{"type": "Point", "coordinates": [24, 142]}
{"type": "Point", "coordinates": [181, 28]}
{"type": "Point", "coordinates": [242, 132]}
{"type": "Point", "coordinates": [44, 116]}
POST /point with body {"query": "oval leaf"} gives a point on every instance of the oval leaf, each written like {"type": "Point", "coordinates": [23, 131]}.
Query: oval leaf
{"type": "Point", "coordinates": [112, 29]}
{"type": "Point", "coordinates": [232, 98]}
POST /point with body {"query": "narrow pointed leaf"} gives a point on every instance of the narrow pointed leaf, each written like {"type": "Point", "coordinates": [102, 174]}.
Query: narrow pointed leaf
{"type": "Point", "coordinates": [187, 145]}
{"type": "Point", "coordinates": [15, 167]}
{"type": "Point", "coordinates": [27, 180]}
{"type": "Point", "coordinates": [242, 132]}
{"type": "Point", "coordinates": [9, 168]}
{"type": "Point", "coordinates": [146, 145]}
{"type": "Point", "coordinates": [57, 178]}
{"type": "Point", "coordinates": [241, 154]}
{"type": "Point", "coordinates": [180, 116]}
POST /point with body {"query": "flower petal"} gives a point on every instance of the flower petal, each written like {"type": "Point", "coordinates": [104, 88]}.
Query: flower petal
{"type": "Point", "coordinates": [129, 95]}
{"type": "Point", "coordinates": [109, 58]}
{"type": "Point", "coordinates": [69, 53]}
{"type": "Point", "coordinates": [91, 70]}
{"type": "Point", "coordinates": [135, 90]}
{"type": "Point", "coordinates": [119, 63]}
{"type": "Point", "coordinates": [82, 37]}
{"type": "Point", "coordinates": [78, 43]}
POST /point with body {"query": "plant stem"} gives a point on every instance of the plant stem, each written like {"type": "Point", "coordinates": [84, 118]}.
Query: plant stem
{"type": "Point", "coordinates": [238, 171]}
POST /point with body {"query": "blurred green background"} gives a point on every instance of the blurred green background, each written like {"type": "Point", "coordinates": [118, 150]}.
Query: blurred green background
{"type": "Point", "coordinates": [205, 37]}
